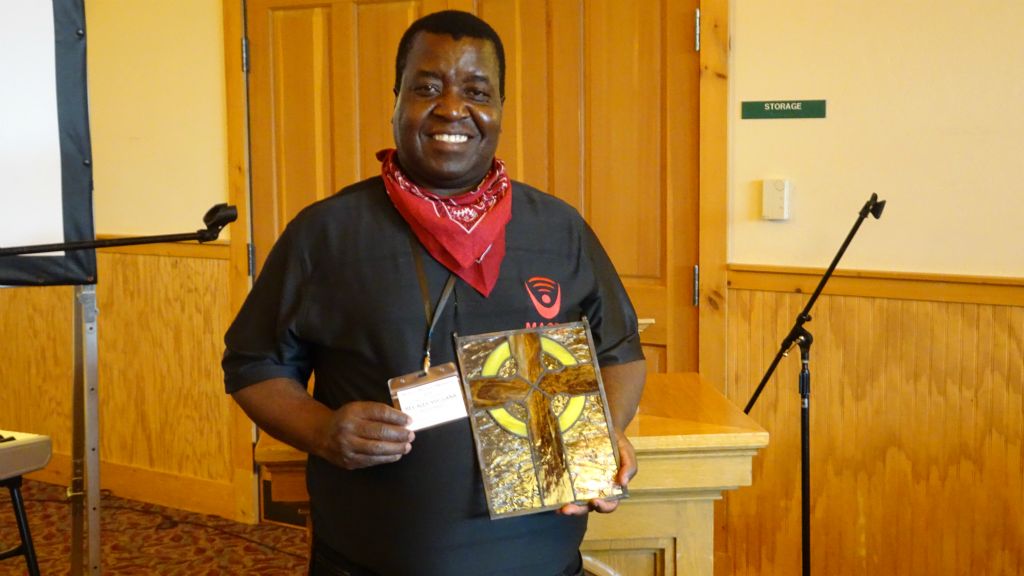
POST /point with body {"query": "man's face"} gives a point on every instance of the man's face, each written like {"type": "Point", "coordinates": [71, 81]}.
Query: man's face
{"type": "Point", "coordinates": [448, 112]}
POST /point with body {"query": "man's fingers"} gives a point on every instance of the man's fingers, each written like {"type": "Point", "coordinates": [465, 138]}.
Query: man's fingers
{"type": "Point", "coordinates": [627, 461]}
{"type": "Point", "coordinates": [573, 510]}
{"type": "Point", "coordinates": [384, 432]}
{"type": "Point", "coordinates": [362, 453]}
{"type": "Point", "coordinates": [367, 434]}
{"type": "Point", "coordinates": [375, 421]}
{"type": "Point", "coordinates": [363, 461]}
{"type": "Point", "coordinates": [371, 448]}
{"type": "Point", "coordinates": [603, 506]}
{"type": "Point", "coordinates": [377, 412]}
{"type": "Point", "coordinates": [596, 505]}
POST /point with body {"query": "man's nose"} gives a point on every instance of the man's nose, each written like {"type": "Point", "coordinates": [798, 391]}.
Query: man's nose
{"type": "Point", "coordinates": [451, 106]}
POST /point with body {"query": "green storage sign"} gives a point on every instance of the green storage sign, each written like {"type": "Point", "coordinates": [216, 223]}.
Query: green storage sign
{"type": "Point", "coordinates": [784, 109]}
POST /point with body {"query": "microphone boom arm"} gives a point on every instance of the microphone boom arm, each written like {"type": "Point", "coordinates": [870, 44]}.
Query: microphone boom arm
{"type": "Point", "coordinates": [216, 219]}
{"type": "Point", "coordinates": [874, 207]}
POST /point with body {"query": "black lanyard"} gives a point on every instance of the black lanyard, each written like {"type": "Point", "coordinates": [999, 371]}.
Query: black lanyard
{"type": "Point", "coordinates": [431, 315]}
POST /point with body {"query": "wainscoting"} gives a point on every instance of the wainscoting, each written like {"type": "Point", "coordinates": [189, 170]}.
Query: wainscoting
{"type": "Point", "coordinates": [917, 411]}
{"type": "Point", "coordinates": [168, 433]}
{"type": "Point", "coordinates": [916, 426]}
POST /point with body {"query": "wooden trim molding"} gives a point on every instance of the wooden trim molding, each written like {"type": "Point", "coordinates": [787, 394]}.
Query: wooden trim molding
{"type": "Point", "coordinates": [155, 486]}
{"type": "Point", "coordinates": [216, 250]}
{"type": "Point", "coordinates": [925, 287]}
{"type": "Point", "coordinates": [713, 189]}
{"type": "Point", "coordinates": [243, 432]}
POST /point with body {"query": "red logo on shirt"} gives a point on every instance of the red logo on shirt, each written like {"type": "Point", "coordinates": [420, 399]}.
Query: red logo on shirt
{"type": "Point", "coordinates": [546, 296]}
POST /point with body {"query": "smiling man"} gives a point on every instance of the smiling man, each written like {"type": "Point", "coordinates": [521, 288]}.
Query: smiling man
{"type": "Point", "coordinates": [372, 283]}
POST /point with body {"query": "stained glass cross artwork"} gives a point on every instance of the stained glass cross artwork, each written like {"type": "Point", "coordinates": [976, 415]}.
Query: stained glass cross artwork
{"type": "Point", "coordinates": [547, 389]}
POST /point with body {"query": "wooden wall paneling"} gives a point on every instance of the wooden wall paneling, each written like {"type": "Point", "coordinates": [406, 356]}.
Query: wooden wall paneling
{"type": "Point", "coordinates": [916, 437]}
{"type": "Point", "coordinates": [37, 364]}
{"type": "Point", "coordinates": [1015, 430]}
{"type": "Point", "coordinates": [165, 423]}
{"type": "Point", "coordinates": [162, 403]}
{"type": "Point", "coordinates": [161, 341]}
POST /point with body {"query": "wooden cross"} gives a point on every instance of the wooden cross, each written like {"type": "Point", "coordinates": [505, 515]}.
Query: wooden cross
{"type": "Point", "coordinates": [536, 387]}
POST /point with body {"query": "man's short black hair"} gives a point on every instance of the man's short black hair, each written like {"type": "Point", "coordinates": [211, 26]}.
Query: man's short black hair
{"type": "Point", "coordinates": [456, 24]}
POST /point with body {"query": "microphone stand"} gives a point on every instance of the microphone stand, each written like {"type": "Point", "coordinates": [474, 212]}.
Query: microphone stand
{"type": "Point", "coordinates": [215, 219]}
{"type": "Point", "coordinates": [84, 489]}
{"type": "Point", "coordinates": [799, 336]}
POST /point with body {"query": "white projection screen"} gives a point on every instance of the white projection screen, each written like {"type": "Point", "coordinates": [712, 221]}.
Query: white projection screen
{"type": "Point", "coordinates": [45, 154]}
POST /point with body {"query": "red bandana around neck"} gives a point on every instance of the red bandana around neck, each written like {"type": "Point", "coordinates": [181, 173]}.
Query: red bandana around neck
{"type": "Point", "coordinates": [465, 233]}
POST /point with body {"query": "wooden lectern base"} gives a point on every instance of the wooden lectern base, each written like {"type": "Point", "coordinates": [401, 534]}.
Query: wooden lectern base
{"type": "Point", "coordinates": [691, 443]}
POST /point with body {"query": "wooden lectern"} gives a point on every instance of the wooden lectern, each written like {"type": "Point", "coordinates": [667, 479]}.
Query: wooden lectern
{"type": "Point", "coordinates": [692, 445]}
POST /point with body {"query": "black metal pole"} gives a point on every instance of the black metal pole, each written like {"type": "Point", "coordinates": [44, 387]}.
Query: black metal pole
{"type": "Point", "coordinates": [799, 336]}
{"type": "Point", "coordinates": [805, 341]}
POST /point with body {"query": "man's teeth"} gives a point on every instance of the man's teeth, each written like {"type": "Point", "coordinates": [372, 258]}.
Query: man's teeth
{"type": "Point", "coordinates": [453, 138]}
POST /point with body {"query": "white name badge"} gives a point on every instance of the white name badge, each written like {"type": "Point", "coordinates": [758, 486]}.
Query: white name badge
{"type": "Point", "coordinates": [429, 399]}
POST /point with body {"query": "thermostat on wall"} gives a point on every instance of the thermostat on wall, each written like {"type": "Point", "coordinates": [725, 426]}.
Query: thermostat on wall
{"type": "Point", "coordinates": [775, 199]}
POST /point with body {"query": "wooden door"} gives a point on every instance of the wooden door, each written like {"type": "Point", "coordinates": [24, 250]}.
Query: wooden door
{"type": "Point", "coordinates": [601, 110]}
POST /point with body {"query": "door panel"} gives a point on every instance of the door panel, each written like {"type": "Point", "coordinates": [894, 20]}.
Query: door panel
{"type": "Point", "coordinates": [601, 111]}
{"type": "Point", "coordinates": [378, 37]}
{"type": "Point", "coordinates": [623, 154]}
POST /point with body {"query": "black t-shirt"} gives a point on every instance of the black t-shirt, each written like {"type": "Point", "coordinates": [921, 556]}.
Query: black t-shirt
{"type": "Point", "coordinates": [339, 297]}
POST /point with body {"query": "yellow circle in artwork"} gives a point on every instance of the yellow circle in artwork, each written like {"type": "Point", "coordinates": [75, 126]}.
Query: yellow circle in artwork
{"type": "Point", "coordinates": [573, 408]}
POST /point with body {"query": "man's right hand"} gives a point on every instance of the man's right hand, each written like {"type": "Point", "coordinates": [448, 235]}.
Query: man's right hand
{"type": "Point", "coordinates": [357, 435]}
{"type": "Point", "coordinates": [363, 434]}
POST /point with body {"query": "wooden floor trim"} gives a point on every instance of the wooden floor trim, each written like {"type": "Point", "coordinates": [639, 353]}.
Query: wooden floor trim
{"type": "Point", "coordinates": [154, 486]}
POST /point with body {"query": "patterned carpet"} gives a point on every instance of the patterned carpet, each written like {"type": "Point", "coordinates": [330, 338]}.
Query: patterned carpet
{"type": "Point", "coordinates": [143, 539]}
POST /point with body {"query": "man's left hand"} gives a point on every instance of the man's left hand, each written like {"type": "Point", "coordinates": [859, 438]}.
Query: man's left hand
{"type": "Point", "coordinates": [627, 469]}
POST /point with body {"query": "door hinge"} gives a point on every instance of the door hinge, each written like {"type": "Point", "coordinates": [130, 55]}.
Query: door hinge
{"type": "Point", "coordinates": [696, 286]}
{"type": "Point", "coordinates": [245, 54]}
{"type": "Point", "coordinates": [696, 36]}
{"type": "Point", "coordinates": [251, 250]}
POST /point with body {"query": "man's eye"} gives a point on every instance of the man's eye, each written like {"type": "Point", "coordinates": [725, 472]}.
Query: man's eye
{"type": "Point", "coordinates": [478, 95]}
{"type": "Point", "coordinates": [426, 90]}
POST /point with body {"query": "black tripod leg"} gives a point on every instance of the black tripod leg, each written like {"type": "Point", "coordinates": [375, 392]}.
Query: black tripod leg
{"type": "Point", "coordinates": [14, 485]}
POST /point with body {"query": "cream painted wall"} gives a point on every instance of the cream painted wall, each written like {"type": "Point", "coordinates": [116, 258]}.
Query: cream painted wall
{"type": "Point", "coordinates": [157, 114]}
{"type": "Point", "coordinates": [924, 107]}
